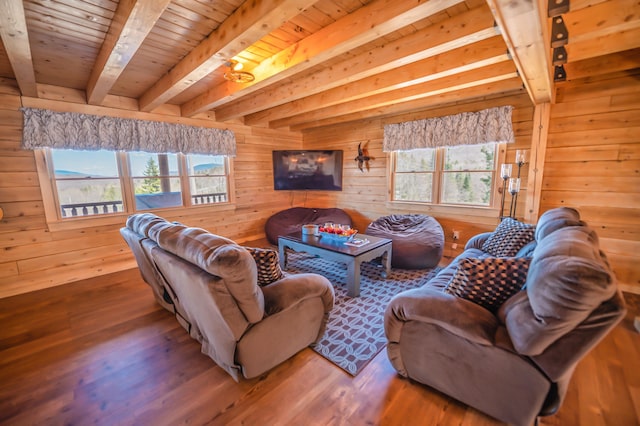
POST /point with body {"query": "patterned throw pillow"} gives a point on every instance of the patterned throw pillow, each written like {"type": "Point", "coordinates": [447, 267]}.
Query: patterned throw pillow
{"type": "Point", "coordinates": [509, 237]}
{"type": "Point", "coordinates": [489, 281]}
{"type": "Point", "coordinates": [268, 265]}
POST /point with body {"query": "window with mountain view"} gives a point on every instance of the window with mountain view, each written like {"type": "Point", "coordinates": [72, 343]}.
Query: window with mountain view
{"type": "Point", "coordinates": [458, 175]}
{"type": "Point", "coordinates": [96, 182]}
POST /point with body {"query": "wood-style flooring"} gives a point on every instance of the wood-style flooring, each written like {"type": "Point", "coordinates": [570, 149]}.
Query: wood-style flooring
{"type": "Point", "coordinates": [100, 351]}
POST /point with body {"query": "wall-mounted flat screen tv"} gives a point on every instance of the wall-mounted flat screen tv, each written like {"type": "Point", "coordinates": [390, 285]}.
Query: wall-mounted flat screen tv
{"type": "Point", "coordinates": [307, 170]}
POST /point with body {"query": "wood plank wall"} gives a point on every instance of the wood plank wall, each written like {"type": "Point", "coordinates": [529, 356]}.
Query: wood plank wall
{"type": "Point", "coordinates": [33, 257]}
{"type": "Point", "coordinates": [593, 163]}
{"type": "Point", "coordinates": [365, 195]}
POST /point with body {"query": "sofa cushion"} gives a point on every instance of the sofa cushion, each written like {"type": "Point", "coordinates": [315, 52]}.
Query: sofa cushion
{"type": "Point", "coordinates": [509, 237]}
{"type": "Point", "coordinates": [569, 277]}
{"type": "Point", "coordinates": [268, 265]}
{"type": "Point", "coordinates": [489, 281]}
{"type": "Point", "coordinates": [554, 219]}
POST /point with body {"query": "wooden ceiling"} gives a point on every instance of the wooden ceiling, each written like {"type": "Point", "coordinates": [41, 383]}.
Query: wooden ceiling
{"type": "Point", "coordinates": [315, 63]}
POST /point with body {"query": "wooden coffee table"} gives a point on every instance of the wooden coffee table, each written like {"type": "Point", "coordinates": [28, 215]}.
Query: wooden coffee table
{"type": "Point", "coordinates": [340, 252]}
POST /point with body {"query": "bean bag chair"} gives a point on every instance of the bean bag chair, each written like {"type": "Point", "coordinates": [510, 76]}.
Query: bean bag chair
{"type": "Point", "coordinates": [291, 220]}
{"type": "Point", "coordinates": [417, 240]}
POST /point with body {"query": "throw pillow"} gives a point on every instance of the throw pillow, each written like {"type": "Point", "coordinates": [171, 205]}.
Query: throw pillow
{"type": "Point", "coordinates": [268, 265]}
{"type": "Point", "coordinates": [489, 281]}
{"type": "Point", "coordinates": [509, 237]}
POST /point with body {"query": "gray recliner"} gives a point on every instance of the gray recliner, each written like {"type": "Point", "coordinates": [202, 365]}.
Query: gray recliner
{"type": "Point", "coordinates": [514, 363]}
{"type": "Point", "coordinates": [210, 282]}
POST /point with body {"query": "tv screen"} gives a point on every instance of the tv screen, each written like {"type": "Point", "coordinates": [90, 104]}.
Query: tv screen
{"type": "Point", "coordinates": [307, 169]}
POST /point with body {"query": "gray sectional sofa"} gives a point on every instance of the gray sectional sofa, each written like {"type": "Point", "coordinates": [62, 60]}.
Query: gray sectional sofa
{"type": "Point", "coordinates": [504, 325]}
{"type": "Point", "coordinates": [211, 284]}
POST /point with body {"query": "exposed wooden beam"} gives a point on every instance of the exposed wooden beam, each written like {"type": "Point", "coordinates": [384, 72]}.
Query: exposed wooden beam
{"type": "Point", "coordinates": [497, 72]}
{"type": "Point", "coordinates": [541, 117]}
{"type": "Point", "coordinates": [368, 23]}
{"type": "Point", "coordinates": [488, 90]}
{"type": "Point", "coordinates": [248, 24]}
{"type": "Point", "coordinates": [131, 24]}
{"type": "Point", "coordinates": [614, 62]}
{"type": "Point", "coordinates": [13, 30]}
{"type": "Point", "coordinates": [604, 45]}
{"type": "Point", "coordinates": [461, 30]}
{"type": "Point", "coordinates": [520, 22]}
{"type": "Point", "coordinates": [463, 59]}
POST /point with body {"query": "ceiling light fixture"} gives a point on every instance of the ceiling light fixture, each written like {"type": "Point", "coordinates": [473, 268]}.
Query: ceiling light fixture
{"type": "Point", "coordinates": [236, 75]}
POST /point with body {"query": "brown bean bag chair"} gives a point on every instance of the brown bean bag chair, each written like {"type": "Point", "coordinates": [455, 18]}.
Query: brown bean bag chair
{"type": "Point", "coordinates": [417, 239]}
{"type": "Point", "coordinates": [291, 220]}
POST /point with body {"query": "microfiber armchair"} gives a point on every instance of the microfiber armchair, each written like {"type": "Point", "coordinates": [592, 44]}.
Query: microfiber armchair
{"type": "Point", "coordinates": [503, 326]}
{"type": "Point", "coordinates": [211, 284]}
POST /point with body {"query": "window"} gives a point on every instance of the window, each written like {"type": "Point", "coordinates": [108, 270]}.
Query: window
{"type": "Point", "coordinates": [89, 183]}
{"type": "Point", "coordinates": [458, 175]}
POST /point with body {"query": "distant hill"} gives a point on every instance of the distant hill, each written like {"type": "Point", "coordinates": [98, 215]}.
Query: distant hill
{"type": "Point", "coordinates": [67, 173]}
{"type": "Point", "coordinates": [201, 168]}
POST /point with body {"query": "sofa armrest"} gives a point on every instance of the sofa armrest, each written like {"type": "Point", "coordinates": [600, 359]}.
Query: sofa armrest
{"type": "Point", "coordinates": [451, 313]}
{"type": "Point", "coordinates": [293, 289]}
{"type": "Point", "coordinates": [477, 241]}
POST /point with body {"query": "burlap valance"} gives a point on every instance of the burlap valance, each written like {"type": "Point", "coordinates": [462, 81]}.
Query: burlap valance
{"type": "Point", "coordinates": [68, 130]}
{"type": "Point", "coordinates": [468, 128]}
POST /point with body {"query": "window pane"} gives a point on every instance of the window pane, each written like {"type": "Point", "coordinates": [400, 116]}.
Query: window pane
{"type": "Point", "coordinates": [470, 157]}
{"type": "Point", "coordinates": [85, 197]}
{"type": "Point", "coordinates": [413, 187]}
{"type": "Point", "coordinates": [208, 189]}
{"type": "Point", "coordinates": [466, 188]}
{"type": "Point", "coordinates": [148, 164]}
{"type": "Point", "coordinates": [70, 164]}
{"type": "Point", "coordinates": [205, 165]}
{"type": "Point", "coordinates": [87, 182]}
{"type": "Point", "coordinates": [417, 160]}
{"type": "Point", "coordinates": [153, 192]}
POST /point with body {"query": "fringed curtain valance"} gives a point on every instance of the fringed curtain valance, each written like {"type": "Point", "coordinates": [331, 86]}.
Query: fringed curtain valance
{"type": "Point", "coordinates": [48, 129]}
{"type": "Point", "coordinates": [468, 128]}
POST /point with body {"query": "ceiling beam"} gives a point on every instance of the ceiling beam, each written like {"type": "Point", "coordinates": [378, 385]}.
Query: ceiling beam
{"type": "Point", "coordinates": [461, 30]}
{"type": "Point", "coordinates": [520, 23]}
{"type": "Point", "coordinates": [497, 89]}
{"type": "Point", "coordinates": [13, 30]}
{"type": "Point", "coordinates": [132, 22]}
{"type": "Point", "coordinates": [249, 23]}
{"type": "Point", "coordinates": [366, 24]}
{"type": "Point", "coordinates": [463, 59]}
{"type": "Point", "coordinates": [490, 74]}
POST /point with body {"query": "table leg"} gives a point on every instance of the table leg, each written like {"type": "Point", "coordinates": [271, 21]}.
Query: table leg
{"type": "Point", "coordinates": [353, 278]}
{"type": "Point", "coordinates": [282, 255]}
{"type": "Point", "coordinates": [386, 263]}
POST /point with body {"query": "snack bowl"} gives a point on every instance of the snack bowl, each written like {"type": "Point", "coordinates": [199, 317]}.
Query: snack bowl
{"type": "Point", "coordinates": [337, 233]}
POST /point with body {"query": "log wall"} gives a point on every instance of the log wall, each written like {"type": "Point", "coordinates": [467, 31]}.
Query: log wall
{"type": "Point", "coordinates": [35, 256]}
{"type": "Point", "coordinates": [365, 194]}
{"type": "Point", "coordinates": [593, 163]}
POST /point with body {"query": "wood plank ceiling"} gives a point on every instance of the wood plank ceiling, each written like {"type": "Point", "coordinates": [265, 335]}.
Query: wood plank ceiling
{"type": "Point", "coordinates": [315, 63]}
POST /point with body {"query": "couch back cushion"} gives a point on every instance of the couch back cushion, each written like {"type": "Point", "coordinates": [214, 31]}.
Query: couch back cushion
{"type": "Point", "coordinates": [555, 219]}
{"type": "Point", "coordinates": [141, 223]}
{"type": "Point", "coordinates": [218, 256]}
{"type": "Point", "coordinates": [569, 277]}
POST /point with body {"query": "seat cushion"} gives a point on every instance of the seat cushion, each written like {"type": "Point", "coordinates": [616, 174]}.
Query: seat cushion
{"type": "Point", "coordinates": [268, 265]}
{"type": "Point", "coordinates": [489, 281]}
{"type": "Point", "coordinates": [509, 237]}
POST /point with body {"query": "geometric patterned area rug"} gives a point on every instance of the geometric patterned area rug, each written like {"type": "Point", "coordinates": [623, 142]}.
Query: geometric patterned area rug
{"type": "Point", "coordinates": [355, 330]}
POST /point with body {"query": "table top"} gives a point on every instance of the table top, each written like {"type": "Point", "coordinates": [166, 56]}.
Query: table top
{"type": "Point", "coordinates": [336, 246]}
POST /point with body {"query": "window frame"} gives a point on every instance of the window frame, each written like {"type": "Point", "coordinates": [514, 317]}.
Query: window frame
{"type": "Point", "coordinates": [51, 204]}
{"type": "Point", "coordinates": [436, 204]}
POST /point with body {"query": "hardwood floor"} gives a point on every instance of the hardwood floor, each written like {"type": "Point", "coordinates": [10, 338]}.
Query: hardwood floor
{"type": "Point", "coordinates": [100, 351]}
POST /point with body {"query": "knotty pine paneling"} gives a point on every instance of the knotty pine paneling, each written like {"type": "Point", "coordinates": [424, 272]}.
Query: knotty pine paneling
{"type": "Point", "coordinates": [365, 194]}
{"type": "Point", "coordinates": [592, 164]}
{"type": "Point", "coordinates": [35, 257]}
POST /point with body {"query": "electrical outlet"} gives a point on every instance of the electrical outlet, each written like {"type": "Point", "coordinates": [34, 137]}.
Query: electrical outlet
{"type": "Point", "coordinates": [456, 235]}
